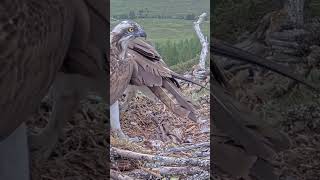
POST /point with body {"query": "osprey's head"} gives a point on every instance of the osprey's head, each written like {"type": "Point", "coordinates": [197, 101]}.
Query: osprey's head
{"type": "Point", "coordinates": [124, 32]}
{"type": "Point", "coordinates": [127, 30]}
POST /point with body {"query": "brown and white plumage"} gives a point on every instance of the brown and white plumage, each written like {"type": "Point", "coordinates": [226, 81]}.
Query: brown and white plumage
{"type": "Point", "coordinates": [152, 72]}
{"type": "Point", "coordinates": [137, 62]}
{"type": "Point", "coordinates": [120, 67]}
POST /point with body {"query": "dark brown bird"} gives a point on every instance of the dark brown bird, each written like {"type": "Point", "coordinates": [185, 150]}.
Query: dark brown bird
{"type": "Point", "coordinates": [84, 71]}
{"type": "Point", "coordinates": [36, 39]}
{"type": "Point", "coordinates": [152, 73]}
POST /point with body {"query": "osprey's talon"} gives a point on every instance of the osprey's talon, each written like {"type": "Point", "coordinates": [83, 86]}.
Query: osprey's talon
{"type": "Point", "coordinates": [136, 139]}
{"type": "Point", "coordinates": [119, 134]}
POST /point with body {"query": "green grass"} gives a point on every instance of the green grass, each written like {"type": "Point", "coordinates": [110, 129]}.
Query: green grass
{"type": "Point", "coordinates": [161, 7]}
{"type": "Point", "coordinates": [161, 30]}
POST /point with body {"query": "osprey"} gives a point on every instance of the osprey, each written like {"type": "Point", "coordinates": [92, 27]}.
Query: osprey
{"type": "Point", "coordinates": [156, 78]}
{"type": "Point", "coordinates": [36, 39]}
{"type": "Point", "coordinates": [33, 46]}
{"type": "Point", "coordinates": [121, 68]}
{"type": "Point", "coordinates": [137, 62]}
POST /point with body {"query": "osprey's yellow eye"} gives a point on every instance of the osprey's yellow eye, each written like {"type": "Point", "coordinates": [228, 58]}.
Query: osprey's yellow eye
{"type": "Point", "coordinates": [130, 29]}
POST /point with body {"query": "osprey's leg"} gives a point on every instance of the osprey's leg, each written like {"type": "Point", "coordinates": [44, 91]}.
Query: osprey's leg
{"type": "Point", "coordinates": [130, 93]}
{"type": "Point", "coordinates": [115, 120]}
{"type": "Point", "coordinates": [115, 124]}
{"type": "Point", "coordinates": [65, 102]}
{"type": "Point", "coordinates": [14, 155]}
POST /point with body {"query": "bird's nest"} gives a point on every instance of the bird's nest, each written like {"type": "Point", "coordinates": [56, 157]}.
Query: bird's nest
{"type": "Point", "coordinates": [173, 146]}
{"type": "Point", "coordinates": [82, 152]}
{"type": "Point", "coordinates": [169, 142]}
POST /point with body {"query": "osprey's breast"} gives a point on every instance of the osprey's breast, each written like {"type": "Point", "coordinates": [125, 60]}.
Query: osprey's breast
{"type": "Point", "coordinates": [120, 76]}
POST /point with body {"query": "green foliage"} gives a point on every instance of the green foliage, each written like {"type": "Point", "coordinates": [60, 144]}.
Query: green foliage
{"type": "Point", "coordinates": [176, 52]}
{"type": "Point", "coordinates": [185, 66]}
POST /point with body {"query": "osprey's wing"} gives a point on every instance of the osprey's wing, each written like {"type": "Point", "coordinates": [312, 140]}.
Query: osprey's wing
{"type": "Point", "coordinates": [120, 75]}
{"type": "Point", "coordinates": [34, 38]}
{"type": "Point", "coordinates": [151, 61]}
{"type": "Point", "coordinates": [151, 71]}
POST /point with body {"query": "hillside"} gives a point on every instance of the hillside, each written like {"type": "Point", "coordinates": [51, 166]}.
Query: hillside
{"type": "Point", "coordinates": [160, 8]}
{"type": "Point", "coordinates": [161, 30]}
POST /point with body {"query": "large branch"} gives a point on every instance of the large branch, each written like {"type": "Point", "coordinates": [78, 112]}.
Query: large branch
{"type": "Point", "coordinates": [190, 147]}
{"type": "Point", "coordinates": [203, 41]}
{"type": "Point", "coordinates": [169, 171]}
{"type": "Point", "coordinates": [162, 159]}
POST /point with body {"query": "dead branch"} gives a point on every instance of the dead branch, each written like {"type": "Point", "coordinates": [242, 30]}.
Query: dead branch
{"type": "Point", "coordinates": [165, 160]}
{"type": "Point", "coordinates": [165, 171]}
{"type": "Point", "coordinates": [203, 41]}
{"type": "Point", "coordinates": [188, 148]}
{"type": "Point", "coordinates": [118, 176]}
{"type": "Point", "coordinates": [152, 172]}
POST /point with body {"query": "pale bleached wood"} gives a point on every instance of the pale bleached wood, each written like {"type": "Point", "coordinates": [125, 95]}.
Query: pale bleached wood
{"type": "Point", "coordinates": [203, 41]}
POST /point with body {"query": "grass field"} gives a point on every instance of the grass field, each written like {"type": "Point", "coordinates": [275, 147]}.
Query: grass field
{"type": "Point", "coordinates": [160, 7]}
{"type": "Point", "coordinates": [161, 30]}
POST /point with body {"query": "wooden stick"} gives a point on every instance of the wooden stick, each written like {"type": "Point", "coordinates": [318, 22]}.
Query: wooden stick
{"type": "Point", "coordinates": [162, 159]}
{"type": "Point", "coordinates": [118, 176]}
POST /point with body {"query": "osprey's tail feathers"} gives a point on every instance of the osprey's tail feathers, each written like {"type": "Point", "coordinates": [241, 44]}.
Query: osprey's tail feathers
{"type": "Point", "coordinates": [174, 100]}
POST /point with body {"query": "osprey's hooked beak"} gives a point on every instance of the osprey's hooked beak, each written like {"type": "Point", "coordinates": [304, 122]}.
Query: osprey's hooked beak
{"type": "Point", "coordinates": [141, 33]}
